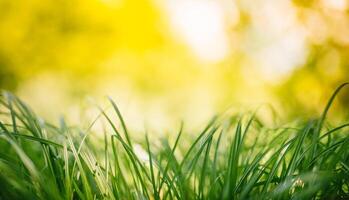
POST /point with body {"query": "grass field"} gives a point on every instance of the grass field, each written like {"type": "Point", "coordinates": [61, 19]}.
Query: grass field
{"type": "Point", "coordinates": [232, 157]}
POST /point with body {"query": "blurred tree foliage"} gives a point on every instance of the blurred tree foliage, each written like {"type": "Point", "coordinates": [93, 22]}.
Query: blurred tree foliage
{"type": "Point", "coordinates": [94, 41]}
{"type": "Point", "coordinates": [327, 64]}
{"type": "Point", "coordinates": [74, 36]}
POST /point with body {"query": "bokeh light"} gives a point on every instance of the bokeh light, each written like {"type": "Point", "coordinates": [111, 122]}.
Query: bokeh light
{"type": "Point", "coordinates": [172, 60]}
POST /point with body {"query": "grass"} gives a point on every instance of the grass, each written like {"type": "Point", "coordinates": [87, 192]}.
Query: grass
{"type": "Point", "coordinates": [233, 157]}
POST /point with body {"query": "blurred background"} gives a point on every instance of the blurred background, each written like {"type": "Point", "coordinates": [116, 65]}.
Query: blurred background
{"type": "Point", "coordinates": [164, 61]}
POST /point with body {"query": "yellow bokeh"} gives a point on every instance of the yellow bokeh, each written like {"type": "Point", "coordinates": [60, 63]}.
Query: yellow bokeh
{"type": "Point", "coordinates": [164, 61]}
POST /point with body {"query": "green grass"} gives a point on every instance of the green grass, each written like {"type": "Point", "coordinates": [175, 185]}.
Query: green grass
{"type": "Point", "coordinates": [233, 157]}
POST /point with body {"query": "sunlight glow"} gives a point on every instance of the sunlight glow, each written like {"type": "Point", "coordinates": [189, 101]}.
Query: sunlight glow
{"type": "Point", "coordinates": [336, 4]}
{"type": "Point", "coordinates": [278, 43]}
{"type": "Point", "coordinates": [202, 26]}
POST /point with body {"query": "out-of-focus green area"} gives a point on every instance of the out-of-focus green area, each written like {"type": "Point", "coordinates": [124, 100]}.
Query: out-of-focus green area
{"type": "Point", "coordinates": [175, 59]}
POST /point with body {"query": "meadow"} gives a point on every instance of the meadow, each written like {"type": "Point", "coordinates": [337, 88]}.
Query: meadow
{"type": "Point", "coordinates": [232, 157]}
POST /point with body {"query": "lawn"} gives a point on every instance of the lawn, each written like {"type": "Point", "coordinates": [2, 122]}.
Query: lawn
{"type": "Point", "coordinates": [232, 157]}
